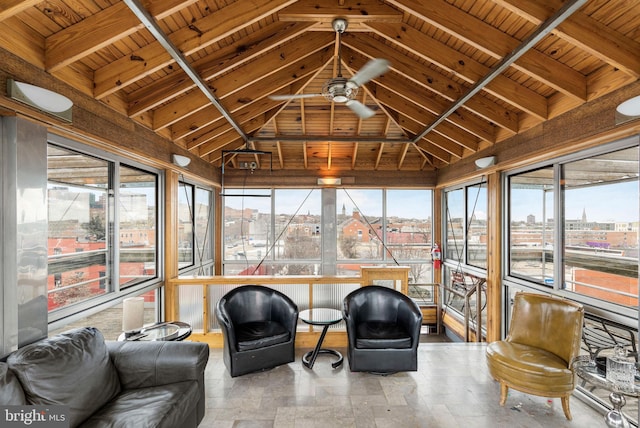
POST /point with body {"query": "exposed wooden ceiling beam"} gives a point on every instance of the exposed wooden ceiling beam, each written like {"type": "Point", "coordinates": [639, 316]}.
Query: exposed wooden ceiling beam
{"type": "Point", "coordinates": [498, 44]}
{"type": "Point", "coordinates": [584, 32]}
{"type": "Point", "coordinates": [426, 100]}
{"type": "Point", "coordinates": [211, 66]}
{"type": "Point", "coordinates": [252, 93]}
{"type": "Point", "coordinates": [428, 78]}
{"type": "Point", "coordinates": [463, 66]}
{"type": "Point", "coordinates": [9, 8]}
{"type": "Point", "coordinates": [522, 50]}
{"type": "Point", "coordinates": [101, 29]}
{"type": "Point", "coordinates": [325, 11]}
{"type": "Point", "coordinates": [243, 76]}
{"type": "Point", "coordinates": [197, 36]}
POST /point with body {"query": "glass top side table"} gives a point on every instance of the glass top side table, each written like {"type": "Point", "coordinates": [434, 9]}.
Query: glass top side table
{"type": "Point", "coordinates": [587, 370]}
{"type": "Point", "coordinates": [167, 331]}
{"type": "Point", "coordinates": [323, 317]}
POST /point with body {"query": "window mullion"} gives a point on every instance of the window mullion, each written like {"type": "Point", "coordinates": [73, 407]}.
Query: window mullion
{"type": "Point", "coordinates": [558, 230]}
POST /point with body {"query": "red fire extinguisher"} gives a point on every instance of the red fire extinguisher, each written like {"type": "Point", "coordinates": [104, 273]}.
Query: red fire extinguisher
{"type": "Point", "coordinates": [436, 256]}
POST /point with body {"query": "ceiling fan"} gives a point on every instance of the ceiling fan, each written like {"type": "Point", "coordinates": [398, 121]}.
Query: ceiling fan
{"type": "Point", "coordinates": [340, 89]}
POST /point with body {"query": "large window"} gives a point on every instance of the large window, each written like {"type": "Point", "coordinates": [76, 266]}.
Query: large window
{"type": "Point", "coordinates": [359, 224]}
{"type": "Point", "coordinates": [465, 216]}
{"type": "Point", "coordinates": [593, 250]}
{"type": "Point", "coordinates": [326, 231]}
{"type": "Point", "coordinates": [465, 251]}
{"type": "Point", "coordinates": [247, 221]}
{"type": "Point", "coordinates": [531, 209]}
{"type": "Point", "coordinates": [138, 224]}
{"type": "Point", "coordinates": [298, 230]}
{"type": "Point", "coordinates": [78, 227]}
{"type": "Point", "coordinates": [195, 231]}
{"type": "Point", "coordinates": [408, 232]}
{"type": "Point", "coordinates": [102, 228]}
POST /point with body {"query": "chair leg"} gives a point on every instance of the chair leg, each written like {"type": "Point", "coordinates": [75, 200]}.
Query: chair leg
{"type": "Point", "coordinates": [504, 390]}
{"type": "Point", "coordinates": [565, 406]}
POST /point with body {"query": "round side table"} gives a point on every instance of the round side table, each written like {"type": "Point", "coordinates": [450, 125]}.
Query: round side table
{"type": "Point", "coordinates": [167, 331]}
{"type": "Point", "coordinates": [324, 317]}
{"type": "Point", "coordinates": [588, 371]}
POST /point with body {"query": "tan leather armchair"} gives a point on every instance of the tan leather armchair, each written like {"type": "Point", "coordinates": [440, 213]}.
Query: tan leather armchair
{"type": "Point", "coordinates": [535, 357]}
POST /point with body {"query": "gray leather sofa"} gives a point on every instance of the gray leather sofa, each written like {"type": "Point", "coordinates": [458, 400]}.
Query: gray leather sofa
{"type": "Point", "coordinates": [109, 384]}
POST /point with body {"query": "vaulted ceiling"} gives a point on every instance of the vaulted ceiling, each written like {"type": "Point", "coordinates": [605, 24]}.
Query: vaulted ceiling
{"type": "Point", "coordinates": [464, 74]}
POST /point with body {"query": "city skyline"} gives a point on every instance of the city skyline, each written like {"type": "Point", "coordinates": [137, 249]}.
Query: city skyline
{"type": "Point", "coordinates": [400, 203]}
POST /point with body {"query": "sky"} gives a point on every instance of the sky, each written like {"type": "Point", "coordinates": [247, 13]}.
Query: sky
{"type": "Point", "coordinates": [401, 203]}
{"type": "Point", "coordinates": [618, 202]}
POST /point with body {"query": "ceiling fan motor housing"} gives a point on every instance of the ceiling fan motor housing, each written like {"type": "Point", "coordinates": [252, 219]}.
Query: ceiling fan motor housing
{"type": "Point", "coordinates": [338, 90]}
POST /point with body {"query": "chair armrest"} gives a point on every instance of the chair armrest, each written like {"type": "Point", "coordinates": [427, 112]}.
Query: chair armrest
{"type": "Point", "coordinates": [286, 313]}
{"type": "Point", "coordinates": [226, 325]}
{"type": "Point", "coordinates": [145, 364]}
{"type": "Point", "coordinates": [348, 315]}
{"type": "Point", "coordinates": [410, 316]}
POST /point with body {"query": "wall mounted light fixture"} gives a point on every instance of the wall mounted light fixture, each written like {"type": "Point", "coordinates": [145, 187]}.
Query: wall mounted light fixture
{"type": "Point", "coordinates": [485, 162]}
{"type": "Point", "coordinates": [628, 110]}
{"type": "Point", "coordinates": [329, 181]}
{"type": "Point", "coordinates": [630, 107]}
{"type": "Point", "coordinates": [181, 161]}
{"type": "Point", "coordinates": [41, 98]}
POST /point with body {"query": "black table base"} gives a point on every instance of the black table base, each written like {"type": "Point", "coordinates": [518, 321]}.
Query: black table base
{"type": "Point", "coordinates": [309, 358]}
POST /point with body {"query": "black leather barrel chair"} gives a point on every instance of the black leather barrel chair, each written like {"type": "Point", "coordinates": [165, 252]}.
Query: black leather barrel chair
{"type": "Point", "coordinates": [383, 327]}
{"type": "Point", "coordinates": [259, 328]}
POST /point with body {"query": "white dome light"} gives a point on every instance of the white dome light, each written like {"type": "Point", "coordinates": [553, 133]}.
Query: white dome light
{"type": "Point", "coordinates": [631, 107]}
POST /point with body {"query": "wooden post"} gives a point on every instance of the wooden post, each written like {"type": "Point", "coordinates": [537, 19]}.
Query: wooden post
{"type": "Point", "coordinates": [171, 243]}
{"type": "Point", "coordinates": [494, 256]}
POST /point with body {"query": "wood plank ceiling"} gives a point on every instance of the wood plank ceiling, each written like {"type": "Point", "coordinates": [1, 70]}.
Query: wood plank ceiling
{"type": "Point", "coordinates": [443, 98]}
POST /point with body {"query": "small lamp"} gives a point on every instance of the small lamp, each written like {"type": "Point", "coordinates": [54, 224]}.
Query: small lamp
{"type": "Point", "coordinates": [132, 315]}
{"type": "Point", "coordinates": [41, 98]}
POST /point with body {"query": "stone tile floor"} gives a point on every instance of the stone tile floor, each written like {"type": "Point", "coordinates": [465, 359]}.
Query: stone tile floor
{"type": "Point", "coordinates": [452, 388]}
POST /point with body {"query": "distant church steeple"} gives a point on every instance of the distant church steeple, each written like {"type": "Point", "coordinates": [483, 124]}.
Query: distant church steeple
{"type": "Point", "coordinates": [584, 215]}
{"type": "Point", "coordinates": [344, 210]}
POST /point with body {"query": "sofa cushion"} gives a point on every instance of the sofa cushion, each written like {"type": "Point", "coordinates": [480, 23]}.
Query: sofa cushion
{"type": "Point", "coordinates": [258, 334]}
{"type": "Point", "coordinates": [10, 389]}
{"type": "Point", "coordinates": [71, 369]}
{"type": "Point", "coordinates": [381, 335]}
{"type": "Point", "coordinates": [165, 406]}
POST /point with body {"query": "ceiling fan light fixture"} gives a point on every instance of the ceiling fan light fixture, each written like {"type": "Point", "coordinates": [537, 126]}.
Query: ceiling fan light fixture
{"type": "Point", "coordinates": [337, 90]}
{"type": "Point", "coordinates": [339, 25]}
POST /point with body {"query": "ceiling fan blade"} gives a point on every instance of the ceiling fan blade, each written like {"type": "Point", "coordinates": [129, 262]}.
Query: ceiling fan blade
{"type": "Point", "coordinates": [360, 109]}
{"type": "Point", "coordinates": [293, 96]}
{"type": "Point", "coordinates": [370, 70]}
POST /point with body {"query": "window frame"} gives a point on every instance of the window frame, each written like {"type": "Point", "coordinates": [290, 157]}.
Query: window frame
{"type": "Point", "coordinates": [329, 261]}
{"type": "Point", "coordinates": [199, 267]}
{"type": "Point", "coordinates": [463, 265]}
{"type": "Point", "coordinates": [79, 310]}
{"type": "Point", "coordinates": [616, 311]}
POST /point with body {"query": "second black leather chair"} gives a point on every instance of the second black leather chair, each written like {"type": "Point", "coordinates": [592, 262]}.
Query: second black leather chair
{"type": "Point", "coordinates": [383, 328]}
{"type": "Point", "coordinates": [259, 328]}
